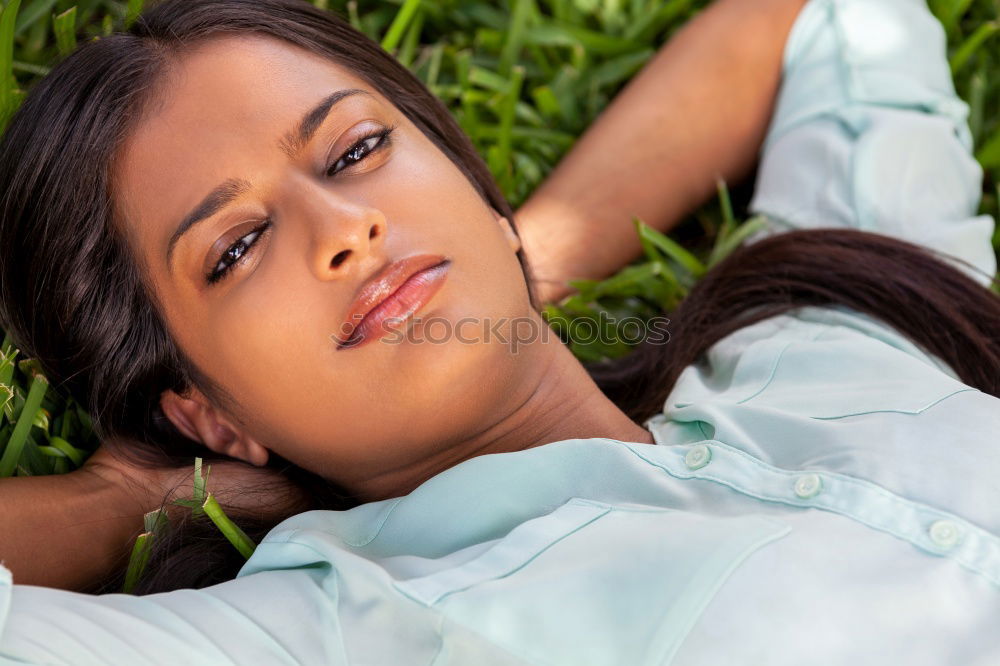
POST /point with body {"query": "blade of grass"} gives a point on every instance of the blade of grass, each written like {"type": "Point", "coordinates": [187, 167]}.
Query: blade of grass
{"type": "Point", "coordinates": [198, 490]}
{"type": "Point", "coordinates": [353, 16]}
{"type": "Point", "coordinates": [6, 402]}
{"type": "Point", "coordinates": [7, 358]}
{"type": "Point", "coordinates": [231, 530]}
{"type": "Point", "coordinates": [726, 203]}
{"type": "Point", "coordinates": [463, 70]}
{"type": "Point", "coordinates": [434, 66]}
{"type": "Point", "coordinates": [41, 420]}
{"type": "Point", "coordinates": [505, 138]}
{"type": "Point", "coordinates": [484, 78]}
{"type": "Point", "coordinates": [30, 68]}
{"type": "Point", "coordinates": [977, 101]}
{"type": "Point", "coordinates": [950, 12]}
{"type": "Point", "coordinates": [989, 154]}
{"type": "Point", "coordinates": [32, 12]}
{"type": "Point", "coordinates": [724, 247]}
{"type": "Point", "coordinates": [199, 481]}
{"type": "Point", "coordinates": [728, 225]}
{"type": "Point", "coordinates": [66, 425]}
{"type": "Point", "coordinates": [35, 39]}
{"type": "Point", "coordinates": [657, 18]}
{"type": "Point", "coordinates": [975, 41]}
{"type": "Point", "coordinates": [154, 522]}
{"type": "Point", "coordinates": [8, 100]}
{"type": "Point", "coordinates": [15, 444]}
{"type": "Point", "coordinates": [132, 11]}
{"type": "Point", "coordinates": [398, 26]}
{"type": "Point", "coordinates": [64, 27]}
{"type": "Point", "coordinates": [567, 35]}
{"type": "Point", "coordinates": [137, 561]}
{"type": "Point", "coordinates": [410, 42]}
{"type": "Point", "coordinates": [515, 35]}
{"type": "Point", "coordinates": [546, 102]}
{"type": "Point", "coordinates": [73, 453]}
{"type": "Point", "coordinates": [670, 248]}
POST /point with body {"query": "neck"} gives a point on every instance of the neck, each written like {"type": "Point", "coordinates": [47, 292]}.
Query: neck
{"type": "Point", "coordinates": [560, 402]}
{"type": "Point", "coordinates": [555, 401]}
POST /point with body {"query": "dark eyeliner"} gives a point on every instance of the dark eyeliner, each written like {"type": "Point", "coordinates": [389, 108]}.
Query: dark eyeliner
{"type": "Point", "coordinates": [216, 274]}
{"type": "Point", "coordinates": [384, 139]}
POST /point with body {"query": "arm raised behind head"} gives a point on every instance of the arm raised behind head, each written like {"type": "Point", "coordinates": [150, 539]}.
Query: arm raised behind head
{"type": "Point", "coordinates": [72, 531]}
{"type": "Point", "coordinates": [698, 111]}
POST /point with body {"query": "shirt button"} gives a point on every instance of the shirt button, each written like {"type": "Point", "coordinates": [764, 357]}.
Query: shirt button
{"type": "Point", "coordinates": [698, 456]}
{"type": "Point", "coordinates": [945, 533]}
{"type": "Point", "coordinates": [808, 485]}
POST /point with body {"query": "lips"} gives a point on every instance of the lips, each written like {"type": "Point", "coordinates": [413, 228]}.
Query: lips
{"type": "Point", "coordinates": [397, 291]}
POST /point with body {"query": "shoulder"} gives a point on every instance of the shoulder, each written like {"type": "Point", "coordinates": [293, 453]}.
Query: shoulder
{"type": "Point", "coordinates": [819, 362]}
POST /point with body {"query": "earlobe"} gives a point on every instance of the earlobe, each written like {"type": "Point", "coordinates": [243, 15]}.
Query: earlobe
{"type": "Point", "coordinates": [201, 422]}
{"type": "Point", "coordinates": [508, 229]}
{"type": "Point", "coordinates": [250, 450]}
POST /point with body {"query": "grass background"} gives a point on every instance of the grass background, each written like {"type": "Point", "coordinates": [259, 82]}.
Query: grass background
{"type": "Point", "coordinates": [524, 78]}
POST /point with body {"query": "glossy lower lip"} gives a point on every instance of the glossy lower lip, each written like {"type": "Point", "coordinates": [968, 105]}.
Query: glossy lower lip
{"type": "Point", "coordinates": [412, 295]}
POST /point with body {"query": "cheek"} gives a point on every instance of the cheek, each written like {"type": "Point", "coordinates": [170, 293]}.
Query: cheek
{"type": "Point", "coordinates": [271, 336]}
{"type": "Point", "coordinates": [452, 216]}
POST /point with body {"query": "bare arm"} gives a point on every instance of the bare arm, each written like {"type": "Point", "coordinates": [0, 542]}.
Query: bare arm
{"type": "Point", "coordinates": [70, 531]}
{"type": "Point", "coordinates": [698, 111]}
{"type": "Point", "coordinates": [66, 530]}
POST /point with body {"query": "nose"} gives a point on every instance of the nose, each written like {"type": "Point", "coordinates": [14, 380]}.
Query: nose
{"type": "Point", "coordinates": [344, 234]}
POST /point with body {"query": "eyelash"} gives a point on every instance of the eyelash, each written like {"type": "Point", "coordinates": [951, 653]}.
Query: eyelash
{"type": "Point", "coordinates": [383, 137]}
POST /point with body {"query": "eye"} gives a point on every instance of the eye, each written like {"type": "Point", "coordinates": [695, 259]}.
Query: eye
{"type": "Point", "coordinates": [235, 253]}
{"type": "Point", "coordinates": [360, 150]}
{"type": "Point", "coordinates": [239, 250]}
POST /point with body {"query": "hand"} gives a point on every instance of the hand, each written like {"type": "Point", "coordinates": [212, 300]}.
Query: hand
{"type": "Point", "coordinates": [241, 488]}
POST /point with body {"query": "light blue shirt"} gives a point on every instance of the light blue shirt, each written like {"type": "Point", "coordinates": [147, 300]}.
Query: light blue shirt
{"type": "Point", "coordinates": [821, 490]}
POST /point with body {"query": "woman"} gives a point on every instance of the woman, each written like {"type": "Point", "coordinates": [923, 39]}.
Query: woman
{"type": "Point", "coordinates": [528, 518]}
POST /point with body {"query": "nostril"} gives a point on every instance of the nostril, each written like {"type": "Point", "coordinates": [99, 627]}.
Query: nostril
{"type": "Point", "coordinates": [339, 258]}
{"type": "Point", "coordinates": [374, 232]}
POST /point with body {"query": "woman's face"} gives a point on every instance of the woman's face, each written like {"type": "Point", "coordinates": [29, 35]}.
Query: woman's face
{"type": "Point", "coordinates": [378, 417]}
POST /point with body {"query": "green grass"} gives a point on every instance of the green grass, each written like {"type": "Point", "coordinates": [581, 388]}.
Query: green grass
{"type": "Point", "coordinates": [524, 78]}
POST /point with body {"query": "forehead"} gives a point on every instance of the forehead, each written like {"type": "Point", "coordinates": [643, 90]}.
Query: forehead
{"type": "Point", "coordinates": [223, 105]}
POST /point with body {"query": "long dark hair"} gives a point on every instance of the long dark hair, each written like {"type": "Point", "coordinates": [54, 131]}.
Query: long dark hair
{"type": "Point", "coordinates": [935, 305]}
{"type": "Point", "coordinates": [73, 297]}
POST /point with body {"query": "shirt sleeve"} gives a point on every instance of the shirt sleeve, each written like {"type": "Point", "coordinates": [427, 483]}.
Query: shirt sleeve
{"type": "Point", "coordinates": [868, 133]}
{"type": "Point", "coordinates": [272, 617]}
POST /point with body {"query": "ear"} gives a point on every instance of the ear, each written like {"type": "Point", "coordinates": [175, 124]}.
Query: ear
{"type": "Point", "coordinates": [508, 230]}
{"type": "Point", "coordinates": [195, 416]}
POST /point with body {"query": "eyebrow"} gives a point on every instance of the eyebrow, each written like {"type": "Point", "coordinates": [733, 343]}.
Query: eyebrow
{"type": "Point", "coordinates": [291, 144]}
